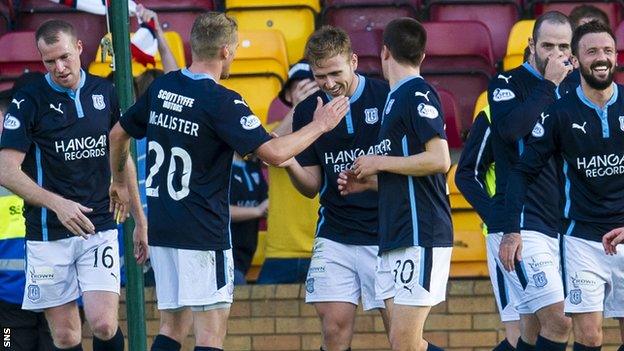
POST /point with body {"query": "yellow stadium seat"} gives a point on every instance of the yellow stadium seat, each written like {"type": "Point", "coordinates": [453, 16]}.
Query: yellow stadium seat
{"type": "Point", "coordinates": [103, 69]}
{"type": "Point", "coordinates": [518, 40]}
{"type": "Point", "coordinates": [294, 18]}
{"type": "Point", "coordinates": [456, 198]}
{"type": "Point", "coordinates": [259, 69]}
{"type": "Point", "coordinates": [482, 101]}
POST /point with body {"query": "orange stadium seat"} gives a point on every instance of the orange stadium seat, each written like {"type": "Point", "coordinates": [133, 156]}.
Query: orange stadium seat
{"type": "Point", "coordinates": [449, 109]}
{"type": "Point", "coordinates": [296, 19]}
{"type": "Point", "coordinates": [19, 54]}
{"type": "Point", "coordinates": [460, 60]}
{"type": "Point", "coordinates": [259, 69]}
{"type": "Point", "coordinates": [613, 9]}
{"type": "Point", "coordinates": [365, 15]}
{"type": "Point", "coordinates": [103, 68]}
{"type": "Point", "coordinates": [518, 41]}
{"type": "Point", "coordinates": [90, 28]}
{"type": "Point", "coordinates": [505, 13]}
{"type": "Point", "coordinates": [367, 45]}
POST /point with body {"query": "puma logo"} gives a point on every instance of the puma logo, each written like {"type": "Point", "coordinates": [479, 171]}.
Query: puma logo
{"type": "Point", "coordinates": [57, 109]}
{"type": "Point", "coordinates": [240, 102]}
{"type": "Point", "coordinates": [407, 288]}
{"type": "Point", "coordinates": [576, 126]}
{"type": "Point", "coordinates": [17, 103]}
{"type": "Point", "coordinates": [543, 117]}
{"type": "Point", "coordinates": [425, 95]}
{"type": "Point", "coordinates": [506, 79]}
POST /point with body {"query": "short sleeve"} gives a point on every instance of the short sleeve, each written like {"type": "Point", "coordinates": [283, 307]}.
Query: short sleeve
{"type": "Point", "coordinates": [304, 113]}
{"type": "Point", "coordinates": [425, 115]}
{"type": "Point", "coordinates": [134, 120]}
{"type": "Point", "coordinates": [18, 123]}
{"type": "Point", "coordinates": [238, 126]}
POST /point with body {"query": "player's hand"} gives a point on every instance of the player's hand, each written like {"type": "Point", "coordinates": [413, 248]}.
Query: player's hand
{"type": "Point", "coordinates": [365, 166]}
{"type": "Point", "coordinates": [348, 183]}
{"type": "Point", "coordinates": [145, 15]}
{"type": "Point", "coordinates": [139, 239]}
{"type": "Point", "coordinates": [332, 113]}
{"type": "Point", "coordinates": [302, 89]}
{"type": "Point", "coordinates": [510, 251]}
{"type": "Point", "coordinates": [557, 68]}
{"type": "Point", "coordinates": [263, 208]}
{"type": "Point", "coordinates": [72, 215]}
{"type": "Point", "coordinates": [119, 201]}
{"type": "Point", "coordinates": [612, 239]}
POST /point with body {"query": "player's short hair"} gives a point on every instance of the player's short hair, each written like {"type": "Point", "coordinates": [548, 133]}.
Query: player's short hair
{"type": "Point", "coordinates": [587, 11]}
{"type": "Point", "coordinates": [212, 31]}
{"type": "Point", "coordinates": [588, 28]}
{"type": "Point", "coordinates": [554, 17]}
{"type": "Point", "coordinates": [49, 31]}
{"type": "Point", "coordinates": [325, 43]}
{"type": "Point", "coordinates": [526, 54]}
{"type": "Point", "coordinates": [406, 39]}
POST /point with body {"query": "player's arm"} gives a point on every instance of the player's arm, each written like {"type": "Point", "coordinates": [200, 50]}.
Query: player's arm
{"type": "Point", "coordinates": [241, 213]}
{"type": "Point", "coordinates": [278, 150]}
{"type": "Point", "coordinates": [514, 120]}
{"type": "Point", "coordinates": [538, 151]}
{"type": "Point", "coordinates": [473, 165]}
{"type": "Point", "coordinates": [307, 180]}
{"type": "Point", "coordinates": [166, 56]}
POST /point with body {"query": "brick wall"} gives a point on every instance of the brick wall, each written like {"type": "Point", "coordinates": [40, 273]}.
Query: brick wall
{"type": "Point", "coordinates": [274, 317]}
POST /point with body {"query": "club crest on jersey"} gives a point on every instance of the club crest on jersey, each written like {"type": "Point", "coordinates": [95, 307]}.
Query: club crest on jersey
{"type": "Point", "coordinates": [98, 101]}
{"type": "Point", "coordinates": [372, 115]}
{"type": "Point", "coordinates": [310, 285]}
{"type": "Point", "coordinates": [540, 279]}
{"type": "Point", "coordinates": [250, 122]}
{"type": "Point", "coordinates": [34, 293]}
{"type": "Point", "coordinates": [11, 122]}
{"type": "Point", "coordinates": [503, 95]}
{"type": "Point", "coordinates": [538, 130]}
{"type": "Point", "coordinates": [427, 111]}
{"type": "Point", "coordinates": [621, 118]}
{"type": "Point", "coordinates": [575, 296]}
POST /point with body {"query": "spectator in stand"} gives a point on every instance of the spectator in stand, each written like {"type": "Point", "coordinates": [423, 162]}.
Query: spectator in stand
{"type": "Point", "coordinates": [586, 13]}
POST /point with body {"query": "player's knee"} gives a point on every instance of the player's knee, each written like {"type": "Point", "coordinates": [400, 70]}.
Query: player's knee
{"type": "Point", "coordinates": [104, 328]}
{"type": "Point", "coordinates": [588, 336]}
{"type": "Point", "coordinates": [335, 329]}
{"type": "Point", "coordinates": [557, 324]}
{"type": "Point", "coordinates": [65, 338]}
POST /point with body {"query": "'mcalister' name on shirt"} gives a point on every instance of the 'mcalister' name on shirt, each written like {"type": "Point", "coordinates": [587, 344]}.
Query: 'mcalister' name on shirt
{"type": "Point", "coordinates": [342, 160]}
{"type": "Point", "coordinates": [173, 101]}
{"type": "Point", "coordinates": [174, 123]}
{"type": "Point", "coordinates": [81, 148]}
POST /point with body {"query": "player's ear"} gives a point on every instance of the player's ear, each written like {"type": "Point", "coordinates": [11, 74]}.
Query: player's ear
{"type": "Point", "coordinates": [79, 46]}
{"type": "Point", "coordinates": [385, 53]}
{"type": "Point", "coordinates": [354, 61]}
{"type": "Point", "coordinates": [532, 45]}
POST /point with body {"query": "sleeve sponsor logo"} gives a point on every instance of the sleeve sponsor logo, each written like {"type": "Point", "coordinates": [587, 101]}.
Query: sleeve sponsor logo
{"type": "Point", "coordinates": [503, 95]}
{"type": "Point", "coordinates": [427, 111]}
{"type": "Point", "coordinates": [250, 122]}
{"type": "Point", "coordinates": [11, 122]}
{"type": "Point", "coordinates": [538, 130]}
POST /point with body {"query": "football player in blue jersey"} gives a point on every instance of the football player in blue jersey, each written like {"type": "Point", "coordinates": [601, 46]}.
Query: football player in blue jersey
{"type": "Point", "coordinates": [342, 269]}
{"type": "Point", "coordinates": [584, 131]}
{"type": "Point", "coordinates": [55, 155]}
{"type": "Point", "coordinates": [415, 230]}
{"type": "Point", "coordinates": [193, 126]}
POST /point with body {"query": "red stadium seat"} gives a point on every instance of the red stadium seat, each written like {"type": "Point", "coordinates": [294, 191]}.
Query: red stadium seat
{"type": "Point", "coordinates": [505, 13]}
{"type": "Point", "coordinates": [613, 9]}
{"type": "Point", "coordinates": [19, 54]}
{"type": "Point", "coordinates": [365, 15]}
{"type": "Point", "coordinates": [619, 37]}
{"type": "Point", "coordinates": [449, 109]}
{"type": "Point", "coordinates": [338, 3]}
{"type": "Point", "coordinates": [367, 45]}
{"type": "Point", "coordinates": [178, 5]}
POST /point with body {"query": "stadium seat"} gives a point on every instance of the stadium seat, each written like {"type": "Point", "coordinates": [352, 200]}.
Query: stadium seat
{"type": "Point", "coordinates": [505, 13]}
{"type": "Point", "coordinates": [459, 59]}
{"type": "Point", "coordinates": [365, 15]}
{"type": "Point", "coordinates": [482, 101]}
{"type": "Point", "coordinates": [518, 41]}
{"type": "Point", "coordinates": [294, 18]}
{"type": "Point", "coordinates": [613, 8]}
{"type": "Point", "coordinates": [619, 37]}
{"type": "Point", "coordinates": [178, 5]}
{"type": "Point", "coordinates": [449, 109]}
{"type": "Point", "coordinates": [367, 45]}
{"type": "Point", "coordinates": [103, 68]}
{"type": "Point", "coordinates": [90, 27]}
{"type": "Point", "coordinates": [6, 18]}
{"type": "Point", "coordinates": [19, 54]}
{"type": "Point", "coordinates": [260, 61]}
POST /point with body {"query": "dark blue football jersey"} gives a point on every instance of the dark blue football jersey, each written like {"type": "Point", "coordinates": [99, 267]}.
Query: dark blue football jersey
{"type": "Point", "coordinates": [413, 211]}
{"type": "Point", "coordinates": [517, 98]}
{"type": "Point", "coordinates": [348, 219]}
{"type": "Point", "coordinates": [65, 137]}
{"type": "Point", "coordinates": [192, 125]}
{"type": "Point", "coordinates": [588, 141]}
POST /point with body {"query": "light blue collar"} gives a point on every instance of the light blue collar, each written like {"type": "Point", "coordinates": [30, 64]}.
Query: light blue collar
{"type": "Point", "coordinates": [238, 163]}
{"type": "Point", "coordinates": [196, 76]}
{"type": "Point", "coordinates": [74, 95]}
{"type": "Point", "coordinates": [532, 70]}
{"type": "Point", "coordinates": [401, 82]}
{"type": "Point", "coordinates": [358, 90]}
{"type": "Point", "coordinates": [602, 112]}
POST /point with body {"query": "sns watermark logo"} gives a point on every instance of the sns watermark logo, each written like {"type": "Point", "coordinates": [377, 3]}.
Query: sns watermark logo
{"type": "Point", "coordinates": [98, 102]}
{"type": "Point", "coordinates": [372, 115]}
{"type": "Point", "coordinates": [11, 122]}
{"type": "Point", "coordinates": [250, 122]}
{"type": "Point", "coordinates": [503, 95]}
{"type": "Point", "coordinates": [6, 337]}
